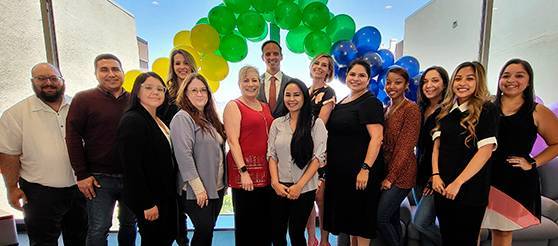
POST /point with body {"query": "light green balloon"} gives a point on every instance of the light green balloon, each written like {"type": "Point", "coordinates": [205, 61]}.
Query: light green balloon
{"type": "Point", "coordinates": [222, 19]}
{"type": "Point", "coordinates": [341, 27]}
{"type": "Point", "coordinates": [295, 39]}
{"type": "Point", "coordinates": [317, 42]}
{"type": "Point", "coordinates": [203, 20]}
{"type": "Point", "coordinates": [238, 6]}
{"type": "Point", "coordinates": [233, 48]}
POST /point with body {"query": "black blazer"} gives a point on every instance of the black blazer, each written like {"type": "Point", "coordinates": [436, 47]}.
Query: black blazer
{"type": "Point", "coordinates": [147, 160]}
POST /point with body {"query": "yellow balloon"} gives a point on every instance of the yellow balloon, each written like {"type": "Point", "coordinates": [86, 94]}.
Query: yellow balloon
{"type": "Point", "coordinates": [213, 85]}
{"type": "Point", "coordinates": [182, 38]}
{"type": "Point", "coordinates": [204, 38]}
{"type": "Point", "coordinates": [214, 67]}
{"type": "Point", "coordinates": [161, 67]}
{"type": "Point", "coordinates": [129, 79]}
{"type": "Point", "coordinates": [191, 51]}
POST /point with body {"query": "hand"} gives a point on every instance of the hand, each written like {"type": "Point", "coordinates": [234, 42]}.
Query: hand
{"type": "Point", "coordinates": [438, 184]}
{"type": "Point", "coordinates": [427, 191]}
{"type": "Point", "coordinates": [15, 194]}
{"type": "Point", "coordinates": [386, 185]}
{"type": "Point", "coordinates": [362, 179]}
{"type": "Point", "coordinates": [151, 214]}
{"type": "Point", "coordinates": [246, 182]}
{"type": "Point", "coordinates": [201, 199]}
{"type": "Point", "coordinates": [280, 189]}
{"type": "Point", "coordinates": [519, 162]}
{"type": "Point", "coordinates": [452, 190]}
{"type": "Point", "coordinates": [87, 187]}
{"type": "Point", "coordinates": [294, 191]}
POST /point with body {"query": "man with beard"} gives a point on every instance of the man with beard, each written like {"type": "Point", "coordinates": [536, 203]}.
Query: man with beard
{"type": "Point", "coordinates": [92, 123]}
{"type": "Point", "coordinates": [273, 81]}
{"type": "Point", "coordinates": [35, 163]}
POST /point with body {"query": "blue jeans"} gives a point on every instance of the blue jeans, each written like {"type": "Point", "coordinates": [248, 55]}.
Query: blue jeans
{"type": "Point", "coordinates": [425, 220]}
{"type": "Point", "coordinates": [388, 214]}
{"type": "Point", "coordinates": [100, 210]}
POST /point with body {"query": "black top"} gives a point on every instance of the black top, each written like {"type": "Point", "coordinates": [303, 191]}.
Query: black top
{"type": "Point", "coordinates": [424, 148]}
{"type": "Point", "coordinates": [516, 136]}
{"type": "Point", "coordinates": [454, 154]}
{"type": "Point", "coordinates": [147, 160]}
{"type": "Point", "coordinates": [319, 97]}
{"type": "Point", "coordinates": [349, 210]}
{"type": "Point", "coordinates": [167, 112]}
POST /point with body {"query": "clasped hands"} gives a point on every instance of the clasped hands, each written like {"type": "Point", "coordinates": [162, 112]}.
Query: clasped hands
{"type": "Point", "coordinates": [450, 191]}
{"type": "Point", "coordinates": [292, 192]}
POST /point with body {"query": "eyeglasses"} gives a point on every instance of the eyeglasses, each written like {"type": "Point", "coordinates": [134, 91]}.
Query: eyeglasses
{"type": "Point", "coordinates": [158, 89]}
{"type": "Point", "coordinates": [43, 79]}
{"type": "Point", "coordinates": [196, 91]}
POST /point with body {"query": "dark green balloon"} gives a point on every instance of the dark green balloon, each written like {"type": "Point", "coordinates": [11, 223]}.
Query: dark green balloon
{"type": "Point", "coordinates": [315, 16]}
{"type": "Point", "coordinates": [222, 19]}
{"type": "Point", "coordinates": [233, 48]}
{"type": "Point", "coordinates": [288, 15]}
{"type": "Point", "coordinates": [251, 24]}
{"type": "Point", "coordinates": [203, 20]}
{"type": "Point", "coordinates": [263, 6]}
{"type": "Point", "coordinates": [304, 3]}
{"type": "Point", "coordinates": [317, 42]}
{"type": "Point", "coordinates": [238, 6]}
{"type": "Point", "coordinates": [295, 39]}
{"type": "Point", "coordinates": [341, 27]}
{"type": "Point", "coordinates": [262, 36]}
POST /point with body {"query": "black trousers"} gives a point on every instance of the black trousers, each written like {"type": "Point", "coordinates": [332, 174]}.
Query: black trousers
{"type": "Point", "coordinates": [252, 216]}
{"type": "Point", "coordinates": [291, 214]}
{"type": "Point", "coordinates": [182, 236]}
{"type": "Point", "coordinates": [204, 219]}
{"type": "Point", "coordinates": [163, 230]}
{"type": "Point", "coordinates": [50, 211]}
{"type": "Point", "coordinates": [459, 223]}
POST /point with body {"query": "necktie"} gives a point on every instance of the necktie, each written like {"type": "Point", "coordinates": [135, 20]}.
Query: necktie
{"type": "Point", "coordinates": [272, 93]}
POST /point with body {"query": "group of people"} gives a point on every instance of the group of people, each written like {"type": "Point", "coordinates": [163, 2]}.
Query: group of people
{"type": "Point", "coordinates": [160, 151]}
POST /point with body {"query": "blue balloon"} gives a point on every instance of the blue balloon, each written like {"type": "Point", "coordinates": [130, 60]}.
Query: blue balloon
{"type": "Point", "coordinates": [383, 97]}
{"type": "Point", "coordinates": [412, 93]}
{"type": "Point", "coordinates": [375, 61]}
{"type": "Point", "coordinates": [373, 86]}
{"type": "Point", "coordinates": [367, 39]}
{"type": "Point", "coordinates": [382, 78]}
{"type": "Point", "coordinates": [341, 73]}
{"type": "Point", "coordinates": [344, 52]}
{"type": "Point", "coordinates": [410, 63]}
{"type": "Point", "coordinates": [387, 57]}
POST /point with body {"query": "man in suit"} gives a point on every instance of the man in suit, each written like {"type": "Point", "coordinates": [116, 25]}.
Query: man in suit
{"type": "Point", "coordinates": [273, 80]}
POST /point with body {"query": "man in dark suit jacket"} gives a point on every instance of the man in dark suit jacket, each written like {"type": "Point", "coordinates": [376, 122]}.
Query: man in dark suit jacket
{"type": "Point", "coordinates": [271, 93]}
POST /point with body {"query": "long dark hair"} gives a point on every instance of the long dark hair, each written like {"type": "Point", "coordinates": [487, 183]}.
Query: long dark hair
{"type": "Point", "coordinates": [172, 79]}
{"type": "Point", "coordinates": [134, 99]}
{"type": "Point", "coordinates": [209, 115]}
{"type": "Point", "coordinates": [302, 145]}
{"type": "Point", "coordinates": [361, 62]}
{"type": "Point", "coordinates": [528, 93]}
{"type": "Point", "coordinates": [422, 101]}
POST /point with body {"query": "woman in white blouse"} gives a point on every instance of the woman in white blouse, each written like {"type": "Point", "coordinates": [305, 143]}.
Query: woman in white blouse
{"type": "Point", "coordinates": [296, 147]}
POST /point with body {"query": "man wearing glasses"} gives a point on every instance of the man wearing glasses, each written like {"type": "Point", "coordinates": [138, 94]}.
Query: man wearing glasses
{"type": "Point", "coordinates": [92, 124]}
{"type": "Point", "coordinates": [35, 163]}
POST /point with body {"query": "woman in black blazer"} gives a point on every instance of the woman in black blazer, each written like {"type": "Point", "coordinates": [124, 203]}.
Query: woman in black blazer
{"type": "Point", "coordinates": [144, 148]}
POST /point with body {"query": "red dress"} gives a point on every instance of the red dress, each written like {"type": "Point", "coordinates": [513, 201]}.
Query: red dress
{"type": "Point", "coordinates": [254, 130]}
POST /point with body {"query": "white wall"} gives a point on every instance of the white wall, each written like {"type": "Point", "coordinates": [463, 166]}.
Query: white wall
{"type": "Point", "coordinates": [526, 30]}
{"type": "Point", "coordinates": [431, 38]}
{"type": "Point", "coordinates": [85, 29]}
{"type": "Point", "coordinates": [21, 47]}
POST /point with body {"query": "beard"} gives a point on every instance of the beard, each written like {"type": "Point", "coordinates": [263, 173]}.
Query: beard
{"type": "Point", "coordinates": [48, 96]}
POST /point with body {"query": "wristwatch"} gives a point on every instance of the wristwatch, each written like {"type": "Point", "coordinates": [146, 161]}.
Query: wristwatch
{"type": "Point", "coordinates": [365, 166]}
{"type": "Point", "coordinates": [532, 161]}
{"type": "Point", "coordinates": [243, 169]}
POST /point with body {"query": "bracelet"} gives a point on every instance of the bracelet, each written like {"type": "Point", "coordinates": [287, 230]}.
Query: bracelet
{"type": "Point", "coordinates": [531, 161]}
{"type": "Point", "coordinates": [435, 174]}
{"type": "Point", "coordinates": [322, 173]}
{"type": "Point", "coordinates": [365, 166]}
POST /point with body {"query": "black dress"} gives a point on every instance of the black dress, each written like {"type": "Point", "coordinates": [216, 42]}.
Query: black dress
{"type": "Point", "coordinates": [347, 210]}
{"type": "Point", "coordinates": [518, 191]}
{"type": "Point", "coordinates": [320, 97]}
{"type": "Point", "coordinates": [424, 149]}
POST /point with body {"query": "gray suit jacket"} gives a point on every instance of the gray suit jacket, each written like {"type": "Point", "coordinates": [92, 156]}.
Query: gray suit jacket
{"type": "Point", "coordinates": [278, 110]}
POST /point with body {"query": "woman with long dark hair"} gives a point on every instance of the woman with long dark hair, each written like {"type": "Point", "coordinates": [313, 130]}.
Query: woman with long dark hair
{"type": "Point", "coordinates": [145, 152]}
{"type": "Point", "coordinates": [514, 202]}
{"type": "Point", "coordinates": [295, 149]}
{"type": "Point", "coordinates": [199, 146]}
{"type": "Point", "coordinates": [464, 139]}
{"type": "Point", "coordinates": [432, 88]}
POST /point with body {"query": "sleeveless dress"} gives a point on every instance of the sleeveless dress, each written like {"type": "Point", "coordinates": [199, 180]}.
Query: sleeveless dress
{"type": "Point", "coordinates": [515, 199]}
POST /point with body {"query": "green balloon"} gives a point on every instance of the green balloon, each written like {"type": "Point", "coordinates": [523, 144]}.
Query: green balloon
{"type": "Point", "coordinates": [341, 27]}
{"type": "Point", "coordinates": [295, 39]}
{"type": "Point", "coordinates": [315, 16]}
{"type": "Point", "coordinates": [304, 3]}
{"type": "Point", "coordinates": [317, 42]}
{"type": "Point", "coordinates": [222, 19]}
{"type": "Point", "coordinates": [263, 6]}
{"type": "Point", "coordinates": [251, 24]}
{"type": "Point", "coordinates": [288, 15]}
{"type": "Point", "coordinates": [203, 20]}
{"type": "Point", "coordinates": [233, 48]}
{"type": "Point", "coordinates": [269, 17]}
{"type": "Point", "coordinates": [238, 6]}
{"type": "Point", "coordinates": [261, 37]}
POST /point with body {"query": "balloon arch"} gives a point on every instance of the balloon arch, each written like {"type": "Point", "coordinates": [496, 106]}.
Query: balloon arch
{"type": "Point", "coordinates": [222, 37]}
